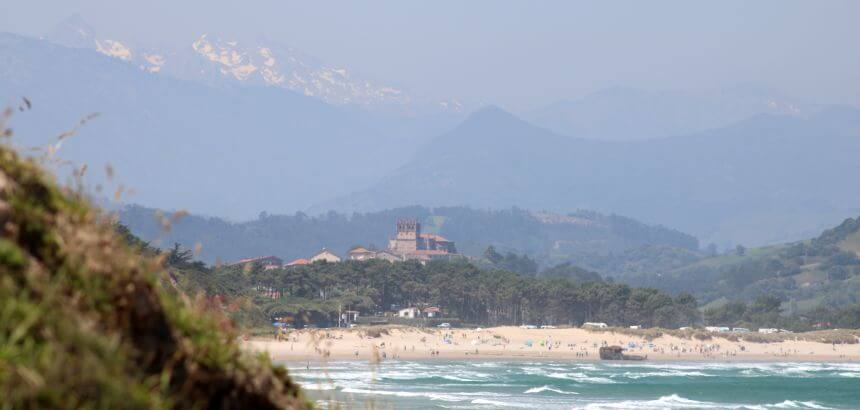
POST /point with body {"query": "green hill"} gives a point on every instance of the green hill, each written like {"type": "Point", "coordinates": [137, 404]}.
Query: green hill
{"type": "Point", "coordinates": [824, 271]}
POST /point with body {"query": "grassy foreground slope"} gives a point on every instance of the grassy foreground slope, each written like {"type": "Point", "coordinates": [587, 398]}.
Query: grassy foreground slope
{"type": "Point", "coordinates": [85, 322]}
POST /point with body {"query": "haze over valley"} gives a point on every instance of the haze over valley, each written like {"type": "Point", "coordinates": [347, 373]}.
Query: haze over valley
{"type": "Point", "coordinates": [424, 205]}
{"type": "Point", "coordinates": [279, 131]}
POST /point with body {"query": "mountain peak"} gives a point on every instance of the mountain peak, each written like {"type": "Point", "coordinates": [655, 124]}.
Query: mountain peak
{"type": "Point", "coordinates": [491, 114]}
{"type": "Point", "coordinates": [74, 32]}
{"type": "Point", "coordinates": [491, 124]}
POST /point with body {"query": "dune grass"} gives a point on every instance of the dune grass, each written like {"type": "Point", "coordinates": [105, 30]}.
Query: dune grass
{"type": "Point", "coordinates": [837, 336]}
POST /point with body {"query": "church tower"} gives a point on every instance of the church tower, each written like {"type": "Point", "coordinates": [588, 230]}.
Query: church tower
{"type": "Point", "coordinates": [406, 239]}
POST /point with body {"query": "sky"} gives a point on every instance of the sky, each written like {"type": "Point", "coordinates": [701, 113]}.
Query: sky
{"type": "Point", "coordinates": [518, 54]}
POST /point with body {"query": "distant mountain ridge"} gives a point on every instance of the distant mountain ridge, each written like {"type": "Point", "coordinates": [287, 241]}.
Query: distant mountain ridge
{"type": "Point", "coordinates": [214, 61]}
{"type": "Point", "coordinates": [183, 144]}
{"type": "Point", "coordinates": [628, 114]}
{"type": "Point", "coordinates": [763, 180]}
{"type": "Point", "coordinates": [232, 148]}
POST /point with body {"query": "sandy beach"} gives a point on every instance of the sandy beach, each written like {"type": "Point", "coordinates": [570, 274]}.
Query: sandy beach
{"type": "Point", "coordinates": [512, 343]}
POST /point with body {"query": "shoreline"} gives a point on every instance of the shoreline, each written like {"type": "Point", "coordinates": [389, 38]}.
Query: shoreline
{"type": "Point", "coordinates": [293, 360]}
{"type": "Point", "coordinates": [509, 343]}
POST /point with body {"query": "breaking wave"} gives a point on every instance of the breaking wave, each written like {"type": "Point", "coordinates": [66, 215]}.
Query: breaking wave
{"type": "Point", "coordinates": [549, 389]}
{"type": "Point", "coordinates": [593, 385]}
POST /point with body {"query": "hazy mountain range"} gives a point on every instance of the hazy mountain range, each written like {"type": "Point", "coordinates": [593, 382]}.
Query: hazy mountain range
{"type": "Point", "coordinates": [198, 128]}
{"type": "Point", "coordinates": [214, 61]}
{"type": "Point", "coordinates": [227, 150]}
{"type": "Point", "coordinates": [627, 114]}
{"type": "Point", "coordinates": [768, 178]}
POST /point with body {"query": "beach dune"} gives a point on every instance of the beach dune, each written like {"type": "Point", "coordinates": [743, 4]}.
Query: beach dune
{"type": "Point", "coordinates": [511, 343]}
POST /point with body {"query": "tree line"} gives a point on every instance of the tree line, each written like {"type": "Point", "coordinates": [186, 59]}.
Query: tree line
{"type": "Point", "coordinates": [459, 288]}
{"type": "Point", "coordinates": [484, 291]}
{"type": "Point", "coordinates": [766, 311]}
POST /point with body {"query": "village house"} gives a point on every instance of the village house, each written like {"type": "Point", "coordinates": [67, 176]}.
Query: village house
{"type": "Point", "coordinates": [267, 262]}
{"type": "Point", "coordinates": [387, 256]}
{"type": "Point", "coordinates": [409, 313]}
{"type": "Point", "coordinates": [432, 312]}
{"type": "Point", "coordinates": [360, 253]}
{"type": "Point", "coordinates": [325, 255]}
{"type": "Point", "coordinates": [298, 262]}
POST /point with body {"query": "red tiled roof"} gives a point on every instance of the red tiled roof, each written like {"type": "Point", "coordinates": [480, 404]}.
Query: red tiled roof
{"type": "Point", "coordinates": [300, 261]}
{"type": "Point", "coordinates": [360, 249]}
{"type": "Point", "coordinates": [432, 309]}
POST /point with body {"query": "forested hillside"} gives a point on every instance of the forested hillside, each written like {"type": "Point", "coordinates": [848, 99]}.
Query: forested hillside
{"type": "Point", "coordinates": [805, 275]}
{"type": "Point", "coordinates": [824, 271]}
{"type": "Point", "coordinates": [505, 288]}
{"type": "Point", "coordinates": [588, 239]}
{"type": "Point", "coordinates": [316, 294]}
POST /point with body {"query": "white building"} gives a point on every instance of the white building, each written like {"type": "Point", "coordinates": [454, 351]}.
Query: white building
{"type": "Point", "coordinates": [349, 316]}
{"type": "Point", "coordinates": [409, 313]}
{"type": "Point", "coordinates": [597, 325]}
{"type": "Point", "coordinates": [432, 312]}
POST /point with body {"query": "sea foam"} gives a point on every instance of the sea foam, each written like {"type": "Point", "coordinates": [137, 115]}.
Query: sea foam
{"type": "Point", "coordinates": [549, 389]}
{"type": "Point", "coordinates": [665, 402]}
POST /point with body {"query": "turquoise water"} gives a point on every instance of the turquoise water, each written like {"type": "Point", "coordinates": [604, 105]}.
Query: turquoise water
{"type": "Point", "coordinates": [566, 385]}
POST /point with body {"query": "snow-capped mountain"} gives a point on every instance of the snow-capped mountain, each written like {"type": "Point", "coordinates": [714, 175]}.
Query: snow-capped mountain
{"type": "Point", "coordinates": [288, 68]}
{"type": "Point", "coordinates": [216, 147]}
{"type": "Point", "coordinates": [216, 61]}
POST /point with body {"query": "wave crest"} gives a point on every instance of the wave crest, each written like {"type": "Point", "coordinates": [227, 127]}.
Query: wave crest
{"type": "Point", "coordinates": [549, 389]}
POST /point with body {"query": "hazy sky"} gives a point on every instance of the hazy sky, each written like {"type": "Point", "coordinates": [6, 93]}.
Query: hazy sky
{"type": "Point", "coordinates": [518, 54]}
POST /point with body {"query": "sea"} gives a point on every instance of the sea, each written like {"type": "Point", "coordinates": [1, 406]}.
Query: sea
{"type": "Point", "coordinates": [476, 384]}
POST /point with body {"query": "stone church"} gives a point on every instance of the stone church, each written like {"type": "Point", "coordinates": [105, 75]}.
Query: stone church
{"type": "Point", "coordinates": [412, 244]}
